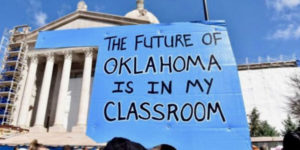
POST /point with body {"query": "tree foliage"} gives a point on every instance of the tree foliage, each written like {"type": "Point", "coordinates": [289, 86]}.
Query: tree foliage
{"type": "Point", "coordinates": [289, 125]}
{"type": "Point", "coordinates": [254, 123]}
{"type": "Point", "coordinates": [294, 101]}
{"type": "Point", "coordinates": [260, 127]}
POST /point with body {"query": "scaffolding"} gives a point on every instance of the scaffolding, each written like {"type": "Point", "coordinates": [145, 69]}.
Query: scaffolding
{"type": "Point", "coordinates": [14, 53]}
{"type": "Point", "coordinates": [3, 45]}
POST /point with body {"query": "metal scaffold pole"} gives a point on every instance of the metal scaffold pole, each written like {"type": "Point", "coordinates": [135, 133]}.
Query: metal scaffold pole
{"type": "Point", "coordinates": [205, 8]}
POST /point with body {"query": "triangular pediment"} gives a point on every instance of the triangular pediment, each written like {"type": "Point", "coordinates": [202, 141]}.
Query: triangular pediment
{"type": "Point", "coordinates": [86, 19]}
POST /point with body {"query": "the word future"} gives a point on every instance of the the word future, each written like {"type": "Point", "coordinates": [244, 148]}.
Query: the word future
{"type": "Point", "coordinates": [157, 65]}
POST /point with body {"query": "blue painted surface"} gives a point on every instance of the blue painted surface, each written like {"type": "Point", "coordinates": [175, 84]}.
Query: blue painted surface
{"type": "Point", "coordinates": [212, 134]}
{"type": "Point", "coordinates": [298, 62]}
{"type": "Point", "coordinates": [6, 148]}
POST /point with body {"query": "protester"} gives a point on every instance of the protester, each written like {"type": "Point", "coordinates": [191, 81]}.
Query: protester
{"type": "Point", "coordinates": [163, 147]}
{"type": "Point", "coordinates": [254, 147]}
{"type": "Point", "coordinates": [291, 140]}
{"type": "Point", "coordinates": [125, 144]}
{"type": "Point", "coordinates": [264, 147]}
{"type": "Point", "coordinates": [67, 147]}
{"type": "Point", "coordinates": [279, 147]}
{"type": "Point", "coordinates": [34, 145]}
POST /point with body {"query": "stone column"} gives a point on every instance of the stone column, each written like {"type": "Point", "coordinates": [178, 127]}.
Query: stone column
{"type": "Point", "coordinates": [27, 92]}
{"type": "Point", "coordinates": [85, 93]}
{"type": "Point", "coordinates": [44, 95]}
{"type": "Point", "coordinates": [20, 94]}
{"type": "Point", "coordinates": [64, 85]}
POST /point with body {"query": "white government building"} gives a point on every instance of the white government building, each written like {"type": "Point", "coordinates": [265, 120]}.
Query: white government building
{"type": "Point", "coordinates": [48, 92]}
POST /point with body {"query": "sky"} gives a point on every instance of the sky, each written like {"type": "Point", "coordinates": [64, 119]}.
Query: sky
{"type": "Point", "coordinates": [259, 30]}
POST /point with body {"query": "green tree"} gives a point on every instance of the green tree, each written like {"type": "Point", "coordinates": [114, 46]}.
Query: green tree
{"type": "Point", "coordinates": [294, 101]}
{"type": "Point", "coordinates": [260, 127]}
{"type": "Point", "coordinates": [254, 122]}
{"type": "Point", "coordinates": [289, 125]}
{"type": "Point", "coordinates": [267, 130]}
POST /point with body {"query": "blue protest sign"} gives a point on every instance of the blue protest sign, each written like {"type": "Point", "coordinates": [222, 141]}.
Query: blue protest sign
{"type": "Point", "coordinates": [175, 84]}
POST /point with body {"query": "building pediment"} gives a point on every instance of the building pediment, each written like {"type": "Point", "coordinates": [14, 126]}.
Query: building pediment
{"type": "Point", "coordinates": [86, 19]}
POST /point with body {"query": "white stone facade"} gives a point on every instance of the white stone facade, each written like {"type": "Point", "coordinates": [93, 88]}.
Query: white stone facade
{"type": "Point", "coordinates": [56, 83]}
{"type": "Point", "coordinates": [268, 90]}
{"type": "Point", "coordinates": [58, 116]}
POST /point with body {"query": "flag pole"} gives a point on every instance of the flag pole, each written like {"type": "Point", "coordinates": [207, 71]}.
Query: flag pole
{"type": "Point", "coordinates": [206, 16]}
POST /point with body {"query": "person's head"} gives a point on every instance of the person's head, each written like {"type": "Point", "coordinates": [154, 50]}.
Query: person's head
{"type": "Point", "coordinates": [33, 145]}
{"type": "Point", "coordinates": [291, 141]}
{"type": "Point", "coordinates": [163, 147]}
{"type": "Point", "coordinates": [123, 144]}
{"type": "Point", "coordinates": [263, 148]}
{"type": "Point", "coordinates": [254, 147]}
{"type": "Point", "coordinates": [67, 147]}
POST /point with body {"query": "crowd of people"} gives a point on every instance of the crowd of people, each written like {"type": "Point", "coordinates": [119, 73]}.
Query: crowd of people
{"type": "Point", "coordinates": [291, 141]}
{"type": "Point", "coordinates": [114, 144]}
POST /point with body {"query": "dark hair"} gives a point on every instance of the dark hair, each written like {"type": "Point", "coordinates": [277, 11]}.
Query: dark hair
{"type": "Point", "coordinates": [119, 143]}
{"type": "Point", "coordinates": [291, 140]}
{"type": "Point", "coordinates": [164, 147]}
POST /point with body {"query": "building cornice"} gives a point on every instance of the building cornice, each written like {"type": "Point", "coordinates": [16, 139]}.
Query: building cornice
{"type": "Point", "coordinates": [59, 51]}
{"type": "Point", "coordinates": [267, 65]}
